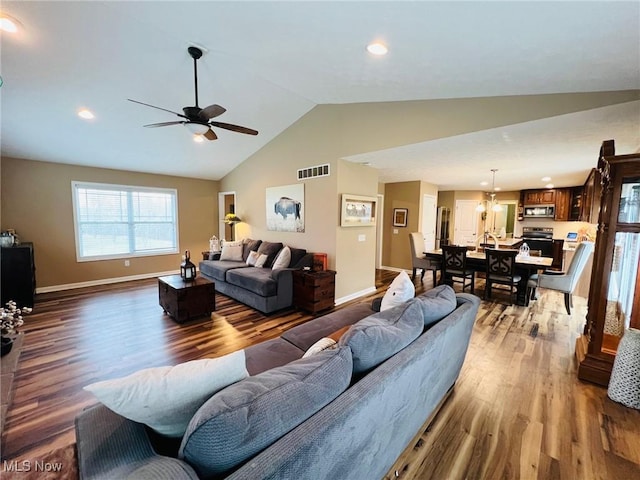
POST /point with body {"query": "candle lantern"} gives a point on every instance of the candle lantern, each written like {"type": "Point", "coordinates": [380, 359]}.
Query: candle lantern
{"type": "Point", "coordinates": [187, 268]}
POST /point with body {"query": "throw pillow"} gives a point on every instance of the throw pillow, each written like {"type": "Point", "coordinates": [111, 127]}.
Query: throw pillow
{"type": "Point", "coordinates": [262, 260]}
{"type": "Point", "coordinates": [232, 251]}
{"type": "Point", "coordinates": [243, 419]}
{"type": "Point", "coordinates": [283, 259]}
{"type": "Point", "coordinates": [320, 346]}
{"type": "Point", "coordinates": [248, 246]}
{"type": "Point", "coordinates": [270, 249]}
{"type": "Point", "coordinates": [437, 303]}
{"type": "Point", "coordinates": [379, 336]}
{"type": "Point", "coordinates": [166, 398]}
{"type": "Point", "coordinates": [400, 290]}
{"type": "Point", "coordinates": [252, 258]}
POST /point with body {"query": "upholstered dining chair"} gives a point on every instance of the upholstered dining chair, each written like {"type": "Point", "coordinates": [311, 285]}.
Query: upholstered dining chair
{"type": "Point", "coordinates": [417, 258]}
{"type": "Point", "coordinates": [500, 269]}
{"type": "Point", "coordinates": [564, 282]}
{"type": "Point", "coordinates": [454, 267]}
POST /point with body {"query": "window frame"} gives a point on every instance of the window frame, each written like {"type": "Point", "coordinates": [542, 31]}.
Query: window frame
{"type": "Point", "coordinates": [75, 185]}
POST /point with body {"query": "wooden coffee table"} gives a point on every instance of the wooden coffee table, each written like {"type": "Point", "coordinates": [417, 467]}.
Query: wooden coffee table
{"type": "Point", "coordinates": [184, 300]}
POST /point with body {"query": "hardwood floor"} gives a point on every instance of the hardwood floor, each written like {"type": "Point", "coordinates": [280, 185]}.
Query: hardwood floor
{"type": "Point", "coordinates": [518, 410]}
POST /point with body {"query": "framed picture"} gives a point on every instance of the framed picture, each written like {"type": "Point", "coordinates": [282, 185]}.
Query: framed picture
{"type": "Point", "coordinates": [358, 211]}
{"type": "Point", "coordinates": [400, 217]}
{"type": "Point", "coordinates": [285, 208]}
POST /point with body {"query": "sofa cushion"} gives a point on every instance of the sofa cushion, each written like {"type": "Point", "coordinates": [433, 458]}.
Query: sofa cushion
{"type": "Point", "coordinates": [217, 269]}
{"type": "Point", "coordinates": [283, 259]}
{"type": "Point", "coordinates": [383, 334]}
{"type": "Point", "coordinates": [270, 249]}
{"type": "Point", "coordinates": [249, 245]}
{"type": "Point", "coordinates": [232, 251]}
{"type": "Point", "coordinates": [256, 280]}
{"type": "Point", "coordinates": [437, 303]}
{"type": "Point", "coordinates": [243, 419]}
{"type": "Point", "coordinates": [272, 353]}
{"type": "Point", "coordinates": [400, 290]}
{"type": "Point", "coordinates": [165, 398]}
{"type": "Point", "coordinates": [305, 335]}
{"type": "Point", "coordinates": [297, 254]}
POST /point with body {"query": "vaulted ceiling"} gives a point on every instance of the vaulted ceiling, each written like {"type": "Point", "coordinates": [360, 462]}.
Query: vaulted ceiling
{"type": "Point", "coordinates": [270, 63]}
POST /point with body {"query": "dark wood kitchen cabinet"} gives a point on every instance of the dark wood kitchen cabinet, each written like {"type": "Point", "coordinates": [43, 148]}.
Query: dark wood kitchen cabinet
{"type": "Point", "coordinates": [539, 197]}
{"type": "Point", "coordinates": [575, 209]}
{"type": "Point", "coordinates": [563, 204]}
{"type": "Point", "coordinates": [591, 197]}
{"type": "Point", "coordinates": [18, 274]}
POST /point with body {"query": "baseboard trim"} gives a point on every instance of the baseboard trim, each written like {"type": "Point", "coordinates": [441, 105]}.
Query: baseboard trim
{"type": "Point", "coordinates": [104, 281]}
{"type": "Point", "coordinates": [395, 269]}
{"type": "Point", "coordinates": [353, 296]}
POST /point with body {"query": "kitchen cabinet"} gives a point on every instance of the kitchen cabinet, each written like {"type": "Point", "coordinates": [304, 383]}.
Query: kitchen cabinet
{"type": "Point", "coordinates": [539, 197]}
{"type": "Point", "coordinates": [614, 293]}
{"type": "Point", "coordinates": [591, 197]}
{"type": "Point", "coordinates": [575, 208]}
{"type": "Point", "coordinates": [563, 204]}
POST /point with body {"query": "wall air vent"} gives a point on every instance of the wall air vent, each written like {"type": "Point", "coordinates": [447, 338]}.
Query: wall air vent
{"type": "Point", "coordinates": [313, 172]}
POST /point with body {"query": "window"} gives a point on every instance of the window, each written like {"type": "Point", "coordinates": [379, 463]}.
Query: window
{"type": "Point", "coordinates": [116, 221]}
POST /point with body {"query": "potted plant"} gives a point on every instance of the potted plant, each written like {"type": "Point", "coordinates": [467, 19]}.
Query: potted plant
{"type": "Point", "coordinates": [11, 320]}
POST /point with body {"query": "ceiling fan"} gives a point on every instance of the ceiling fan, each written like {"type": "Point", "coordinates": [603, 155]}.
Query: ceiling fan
{"type": "Point", "coordinates": [196, 119]}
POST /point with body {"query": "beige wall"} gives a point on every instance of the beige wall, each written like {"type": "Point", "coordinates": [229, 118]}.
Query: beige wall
{"type": "Point", "coordinates": [396, 250]}
{"type": "Point", "coordinates": [36, 202]}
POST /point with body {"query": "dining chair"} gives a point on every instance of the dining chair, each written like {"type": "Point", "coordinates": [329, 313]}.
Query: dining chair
{"type": "Point", "coordinates": [500, 270]}
{"type": "Point", "coordinates": [564, 282]}
{"type": "Point", "coordinates": [454, 267]}
{"type": "Point", "coordinates": [418, 261]}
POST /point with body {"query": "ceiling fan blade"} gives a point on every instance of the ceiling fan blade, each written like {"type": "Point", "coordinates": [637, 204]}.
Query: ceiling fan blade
{"type": "Point", "coordinates": [163, 124]}
{"type": "Point", "coordinates": [211, 111]}
{"type": "Point", "coordinates": [234, 128]}
{"type": "Point", "coordinates": [210, 134]}
{"type": "Point", "coordinates": [159, 108]}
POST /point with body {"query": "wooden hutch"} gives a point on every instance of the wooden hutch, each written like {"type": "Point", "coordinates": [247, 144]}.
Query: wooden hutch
{"type": "Point", "coordinates": [614, 294]}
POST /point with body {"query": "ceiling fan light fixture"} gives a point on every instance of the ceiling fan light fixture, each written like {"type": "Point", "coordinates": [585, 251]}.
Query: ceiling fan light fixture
{"type": "Point", "coordinates": [198, 138]}
{"type": "Point", "coordinates": [197, 128]}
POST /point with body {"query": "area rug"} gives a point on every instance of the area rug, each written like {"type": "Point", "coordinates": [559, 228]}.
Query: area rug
{"type": "Point", "coordinates": [60, 464]}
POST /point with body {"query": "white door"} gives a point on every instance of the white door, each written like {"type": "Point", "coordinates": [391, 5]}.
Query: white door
{"type": "Point", "coordinates": [429, 217]}
{"type": "Point", "coordinates": [466, 222]}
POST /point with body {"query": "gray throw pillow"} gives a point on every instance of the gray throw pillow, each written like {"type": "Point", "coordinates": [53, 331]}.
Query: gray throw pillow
{"type": "Point", "coordinates": [296, 255]}
{"type": "Point", "coordinates": [242, 420]}
{"type": "Point", "coordinates": [381, 335]}
{"type": "Point", "coordinates": [437, 303]}
{"type": "Point", "coordinates": [270, 249]}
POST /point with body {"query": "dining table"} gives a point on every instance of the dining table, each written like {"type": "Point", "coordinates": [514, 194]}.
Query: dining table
{"type": "Point", "coordinates": [526, 265]}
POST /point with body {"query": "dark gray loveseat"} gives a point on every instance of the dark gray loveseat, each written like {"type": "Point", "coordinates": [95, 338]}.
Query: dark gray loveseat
{"type": "Point", "coordinates": [364, 410]}
{"type": "Point", "coordinates": [263, 288]}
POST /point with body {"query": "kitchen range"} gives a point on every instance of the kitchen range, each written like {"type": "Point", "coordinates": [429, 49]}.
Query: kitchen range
{"type": "Point", "coordinates": [539, 238]}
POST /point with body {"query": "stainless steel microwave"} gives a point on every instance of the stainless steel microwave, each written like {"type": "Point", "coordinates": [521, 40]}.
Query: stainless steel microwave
{"type": "Point", "coordinates": [539, 211]}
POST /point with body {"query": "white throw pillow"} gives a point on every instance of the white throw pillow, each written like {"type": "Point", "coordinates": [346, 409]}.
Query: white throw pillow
{"type": "Point", "coordinates": [320, 346]}
{"type": "Point", "coordinates": [232, 251]}
{"type": "Point", "coordinates": [166, 398]}
{"type": "Point", "coordinates": [400, 290]}
{"type": "Point", "coordinates": [283, 259]}
{"type": "Point", "coordinates": [252, 258]}
{"type": "Point", "coordinates": [262, 259]}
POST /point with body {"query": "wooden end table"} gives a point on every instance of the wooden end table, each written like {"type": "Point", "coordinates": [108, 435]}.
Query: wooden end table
{"type": "Point", "coordinates": [184, 300]}
{"type": "Point", "coordinates": [314, 290]}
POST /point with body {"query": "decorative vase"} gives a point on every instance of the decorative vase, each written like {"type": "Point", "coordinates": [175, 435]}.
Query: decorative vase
{"type": "Point", "coordinates": [7, 345]}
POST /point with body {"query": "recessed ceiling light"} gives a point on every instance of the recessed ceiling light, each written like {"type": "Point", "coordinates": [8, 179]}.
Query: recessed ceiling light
{"type": "Point", "coordinates": [484, 183]}
{"type": "Point", "coordinates": [545, 179]}
{"type": "Point", "coordinates": [9, 24]}
{"type": "Point", "coordinates": [549, 185]}
{"type": "Point", "coordinates": [86, 114]}
{"type": "Point", "coordinates": [497, 189]}
{"type": "Point", "coordinates": [198, 138]}
{"type": "Point", "coordinates": [377, 48]}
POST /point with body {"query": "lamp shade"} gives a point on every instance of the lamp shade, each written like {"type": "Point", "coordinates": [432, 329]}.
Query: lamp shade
{"type": "Point", "coordinates": [197, 128]}
{"type": "Point", "coordinates": [231, 218]}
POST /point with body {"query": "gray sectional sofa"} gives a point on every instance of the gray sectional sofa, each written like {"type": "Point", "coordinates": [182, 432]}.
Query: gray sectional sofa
{"type": "Point", "coordinates": [347, 412]}
{"type": "Point", "coordinates": [262, 288]}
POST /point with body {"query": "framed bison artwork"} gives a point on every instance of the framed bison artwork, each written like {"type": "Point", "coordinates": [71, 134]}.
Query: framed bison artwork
{"type": "Point", "coordinates": [358, 211]}
{"type": "Point", "coordinates": [285, 208]}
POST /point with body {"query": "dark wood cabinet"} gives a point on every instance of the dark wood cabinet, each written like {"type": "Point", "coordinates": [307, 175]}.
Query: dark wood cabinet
{"type": "Point", "coordinates": [557, 252]}
{"type": "Point", "coordinates": [614, 291]}
{"type": "Point", "coordinates": [539, 197]}
{"type": "Point", "coordinates": [575, 208]}
{"type": "Point", "coordinates": [314, 291]}
{"type": "Point", "coordinates": [563, 204]}
{"type": "Point", "coordinates": [592, 192]}
{"type": "Point", "coordinates": [18, 274]}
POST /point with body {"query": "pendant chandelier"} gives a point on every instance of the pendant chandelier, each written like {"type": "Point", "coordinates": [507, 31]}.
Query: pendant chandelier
{"type": "Point", "coordinates": [493, 203]}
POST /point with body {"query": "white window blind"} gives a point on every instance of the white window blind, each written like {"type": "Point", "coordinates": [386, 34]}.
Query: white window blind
{"type": "Point", "coordinates": [115, 221]}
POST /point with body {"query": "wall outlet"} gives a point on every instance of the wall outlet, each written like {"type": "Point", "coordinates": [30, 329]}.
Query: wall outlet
{"type": "Point", "coordinates": [127, 263]}
{"type": "Point", "coordinates": [395, 231]}
{"type": "Point", "coordinates": [362, 238]}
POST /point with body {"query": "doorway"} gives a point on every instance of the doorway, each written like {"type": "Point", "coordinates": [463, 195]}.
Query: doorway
{"type": "Point", "coordinates": [226, 204]}
{"type": "Point", "coordinates": [379, 229]}
{"type": "Point", "coordinates": [428, 225]}
{"type": "Point", "coordinates": [465, 229]}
